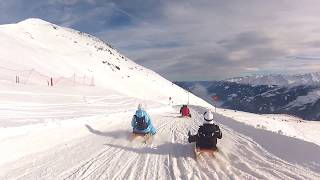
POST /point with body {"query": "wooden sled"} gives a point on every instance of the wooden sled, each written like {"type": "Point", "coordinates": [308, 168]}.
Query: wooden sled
{"type": "Point", "coordinates": [201, 151]}
{"type": "Point", "coordinates": [144, 138]}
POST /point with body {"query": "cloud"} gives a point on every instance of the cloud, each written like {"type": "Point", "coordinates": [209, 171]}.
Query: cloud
{"type": "Point", "coordinates": [193, 40]}
{"type": "Point", "coordinates": [214, 39]}
{"type": "Point", "coordinates": [312, 58]}
{"type": "Point", "coordinates": [68, 2]}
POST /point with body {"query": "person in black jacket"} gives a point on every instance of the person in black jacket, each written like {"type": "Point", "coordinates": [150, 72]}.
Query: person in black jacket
{"type": "Point", "coordinates": [208, 133]}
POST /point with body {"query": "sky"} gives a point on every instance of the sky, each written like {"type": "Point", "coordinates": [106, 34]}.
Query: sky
{"type": "Point", "coordinates": [185, 40]}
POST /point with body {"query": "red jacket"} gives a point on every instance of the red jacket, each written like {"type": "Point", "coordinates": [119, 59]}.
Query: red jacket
{"type": "Point", "coordinates": [185, 111]}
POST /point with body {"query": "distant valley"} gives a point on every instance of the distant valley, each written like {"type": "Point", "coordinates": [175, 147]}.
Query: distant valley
{"type": "Point", "coordinates": [297, 95]}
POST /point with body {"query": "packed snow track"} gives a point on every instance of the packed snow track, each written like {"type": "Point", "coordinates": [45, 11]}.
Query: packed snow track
{"type": "Point", "coordinates": [107, 152]}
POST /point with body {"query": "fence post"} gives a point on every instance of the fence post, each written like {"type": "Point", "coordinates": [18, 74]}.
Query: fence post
{"type": "Point", "coordinates": [92, 81]}
{"type": "Point", "coordinates": [74, 79]}
{"type": "Point", "coordinates": [17, 79]}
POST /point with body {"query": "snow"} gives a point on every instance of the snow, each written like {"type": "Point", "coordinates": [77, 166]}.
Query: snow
{"type": "Point", "coordinates": [73, 58]}
{"type": "Point", "coordinates": [277, 123]}
{"type": "Point", "coordinates": [79, 128]}
{"type": "Point", "coordinates": [311, 97]}
{"type": "Point", "coordinates": [101, 149]}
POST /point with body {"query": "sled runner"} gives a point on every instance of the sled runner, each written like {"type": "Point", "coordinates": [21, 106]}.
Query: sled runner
{"type": "Point", "coordinates": [201, 151]}
{"type": "Point", "coordinates": [187, 116]}
{"type": "Point", "coordinates": [144, 138]}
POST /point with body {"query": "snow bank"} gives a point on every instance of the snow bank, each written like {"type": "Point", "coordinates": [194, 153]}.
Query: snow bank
{"type": "Point", "coordinates": [281, 124]}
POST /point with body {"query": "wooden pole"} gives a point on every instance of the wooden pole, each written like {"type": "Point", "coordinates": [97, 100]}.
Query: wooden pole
{"type": "Point", "coordinates": [92, 81]}
{"type": "Point", "coordinates": [74, 79]}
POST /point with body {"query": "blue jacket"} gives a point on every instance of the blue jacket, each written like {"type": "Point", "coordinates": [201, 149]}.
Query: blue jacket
{"type": "Point", "coordinates": [150, 128]}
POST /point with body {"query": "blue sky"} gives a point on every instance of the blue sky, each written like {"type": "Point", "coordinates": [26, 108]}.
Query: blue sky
{"type": "Point", "coordinates": [193, 40]}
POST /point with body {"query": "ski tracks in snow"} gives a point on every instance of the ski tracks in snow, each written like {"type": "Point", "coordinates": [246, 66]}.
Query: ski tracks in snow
{"type": "Point", "coordinates": [108, 153]}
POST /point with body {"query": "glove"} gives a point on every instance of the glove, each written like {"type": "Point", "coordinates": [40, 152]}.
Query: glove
{"type": "Point", "coordinates": [191, 138]}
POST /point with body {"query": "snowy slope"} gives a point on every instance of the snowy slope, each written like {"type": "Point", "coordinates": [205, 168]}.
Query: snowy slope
{"type": "Point", "coordinates": [278, 123]}
{"type": "Point", "coordinates": [310, 98]}
{"type": "Point", "coordinates": [36, 51]}
{"type": "Point", "coordinates": [103, 151]}
{"type": "Point", "coordinates": [280, 80]}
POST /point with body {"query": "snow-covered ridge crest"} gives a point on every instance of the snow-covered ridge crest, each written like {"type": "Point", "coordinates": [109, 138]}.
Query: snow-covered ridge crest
{"type": "Point", "coordinates": [34, 21]}
{"type": "Point", "coordinates": [36, 51]}
{"type": "Point", "coordinates": [280, 80]}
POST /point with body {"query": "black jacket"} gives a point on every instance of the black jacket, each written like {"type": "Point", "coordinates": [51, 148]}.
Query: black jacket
{"type": "Point", "coordinates": [207, 136]}
{"type": "Point", "coordinates": [210, 130]}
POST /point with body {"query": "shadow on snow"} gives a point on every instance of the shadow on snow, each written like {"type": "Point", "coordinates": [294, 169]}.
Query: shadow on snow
{"type": "Point", "coordinates": [119, 134]}
{"type": "Point", "coordinates": [176, 150]}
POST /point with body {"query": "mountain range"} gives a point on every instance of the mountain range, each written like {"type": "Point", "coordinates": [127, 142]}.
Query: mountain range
{"type": "Point", "coordinates": [297, 95]}
{"type": "Point", "coordinates": [279, 80]}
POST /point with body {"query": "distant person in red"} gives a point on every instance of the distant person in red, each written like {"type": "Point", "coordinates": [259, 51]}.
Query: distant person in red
{"type": "Point", "coordinates": [185, 111]}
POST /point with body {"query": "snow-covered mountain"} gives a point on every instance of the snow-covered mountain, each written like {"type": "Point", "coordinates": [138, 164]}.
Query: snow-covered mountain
{"type": "Point", "coordinates": [34, 51]}
{"type": "Point", "coordinates": [66, 104]}
{"type": "Point", "coordinates": [302, 101]}
{"type": "Point", "coordinates": [279, 80]}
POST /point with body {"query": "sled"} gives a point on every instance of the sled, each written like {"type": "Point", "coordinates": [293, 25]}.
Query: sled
{"type": "Point", "coordinates": [144, 138]}
{"type": "Point", "coordinates": [202, 151]}
{"type": "Point", "coordinates": [188, 116]}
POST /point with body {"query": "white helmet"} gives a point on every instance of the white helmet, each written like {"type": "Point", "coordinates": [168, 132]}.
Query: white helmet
{"type": "Point", "coordinates": [208, 117]}
{"type": "Point", "coordinates": [140, 106]}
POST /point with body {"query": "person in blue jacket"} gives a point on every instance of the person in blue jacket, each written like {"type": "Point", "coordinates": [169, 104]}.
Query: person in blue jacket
{"type": "Point", "coordinates": [141, 122]}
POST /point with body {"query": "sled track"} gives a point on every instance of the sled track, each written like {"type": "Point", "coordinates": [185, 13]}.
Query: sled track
{"type": "Point", "coordinates": [86, 107]}
{"type": "Point", "coordinates": [106, 156]}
